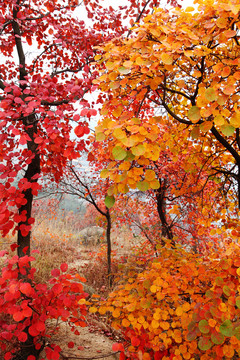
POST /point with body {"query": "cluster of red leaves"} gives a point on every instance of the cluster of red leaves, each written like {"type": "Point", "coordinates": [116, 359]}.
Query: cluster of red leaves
{"type": "Point", "coordinates": [26, 306]}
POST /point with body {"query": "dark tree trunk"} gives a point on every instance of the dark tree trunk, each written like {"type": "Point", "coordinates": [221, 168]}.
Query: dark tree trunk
{"type": "Point", "coordinates": [109, 247]}
{"type": "Point", "coordinates": [33, 169]}
{"type": "Point", "coordinates": [161, 208]}
{"type": "Point", "coordinates": [28, 348]}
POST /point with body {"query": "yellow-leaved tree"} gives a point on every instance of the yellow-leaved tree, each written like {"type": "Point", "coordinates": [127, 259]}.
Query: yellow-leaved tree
{"type": "Point", "coordinates": [180, 70]}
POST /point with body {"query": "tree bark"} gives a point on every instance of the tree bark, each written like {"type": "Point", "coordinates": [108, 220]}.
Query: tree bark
{"type": "Point", "coordinates": [109, 247]}
{"type": "Point", "coordinates": [31, 174]}
{"type": "Point", "coordinates": [161, 208]}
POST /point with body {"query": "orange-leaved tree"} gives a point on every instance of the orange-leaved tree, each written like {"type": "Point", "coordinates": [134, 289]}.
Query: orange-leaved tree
{"type": "Point", "coordinates": [46, 52]}
{"type": "Point", "coordinates": [183, 64]}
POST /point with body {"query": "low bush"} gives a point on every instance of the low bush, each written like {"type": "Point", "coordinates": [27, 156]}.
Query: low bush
{"type": "Point", "coordinates": [182, 306]}
{"type": "Point", "coordinates": [27, 307]}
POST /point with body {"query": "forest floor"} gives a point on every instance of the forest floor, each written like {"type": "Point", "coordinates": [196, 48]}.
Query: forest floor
{"type": "Point", "coordinates": [96, 339]}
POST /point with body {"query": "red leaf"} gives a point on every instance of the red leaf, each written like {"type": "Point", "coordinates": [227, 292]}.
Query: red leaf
{"type": "Point", "coordinates": [31, 357]}
{"type": "Point", "coordinates": [3, 252]}
{"type": "Point", "coordinates": [93, 112]}
{"type": "Point", "coordinates": [38, 140]}
{"type": "Point", "coordinates": [18, 316]}
{"type": "Point", "coordinates": [79, 130]}
{"type": "Point", "coordinates": [55, 272]}
{"type": "Point", "coordinates": [76, 117]}
{"type": "Point", "coordinates": [14, 246]}
{"type": "Point", "coordinates": [33, 331]}
{"type": "Point", "coordinates": [117, 347]}
{"type": "Point", "coordinates": [8, 356]}
{"type": "Point", "coordinates": [71, 344]}
{"type": "Point", "coordinates": [64, 267]}
{"type": "Point", "coordinates": [40, 326]}
{"type": "Point", "coordinates": [135, 341]}
{"type": "Point", "coordinates": [27, 312]}
{"type": "Point", "coordinates": [25, 249]}
{"type": "Point", "coordinates": [22, 337]}
{"type": "Point", "coordinates": [26, 288]}
{"type": "Point", "coordinates": [84, 112]}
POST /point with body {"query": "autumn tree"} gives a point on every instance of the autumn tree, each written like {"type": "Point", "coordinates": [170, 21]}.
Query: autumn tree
{"type": "Point", "coordinates": [93, 190]}
{"type": "Point", "coordinates": [46, 54]}
{"type": "Point", "coordinates": [184, 65]}
{"type": "Point", "coordinates": [40, 87]}
{"type": "Point", "coordinates": [172, 176]}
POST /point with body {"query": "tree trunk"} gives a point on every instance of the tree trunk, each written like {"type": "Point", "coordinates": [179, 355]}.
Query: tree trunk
{"type": "Point", "coordinates": [109, 249]}
{"type": "Point", "coordinates": [28, 348]}
{"type": "Point", "coordinates": [161, 208]}
{"type": "Point", "coordinates": [33, 169]}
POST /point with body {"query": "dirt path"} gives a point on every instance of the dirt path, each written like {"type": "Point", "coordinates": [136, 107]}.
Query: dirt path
{"type": "Point", "coordinates": [92, 341]}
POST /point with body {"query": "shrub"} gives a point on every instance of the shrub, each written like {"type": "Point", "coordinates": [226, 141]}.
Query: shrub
{"type": "Point", "coordinates": [182, 306]}
{"type": "Point", "coordinates": [26, 307]}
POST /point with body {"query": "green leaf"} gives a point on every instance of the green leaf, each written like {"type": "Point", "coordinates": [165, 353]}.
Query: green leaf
{"type": "Point", "coordinates": [219, 281]}
{"type": "Point", "coordinates": [209, 294]}
{"type": "Point", "coordinates": [100, 136]}
{"type": "Point", "coordinates": [194, 114]}
{"type": "Point", "coordinates": [147, 284]}
{"type": "Point", "coordinates": [216, 313]}
{"type": "Point", "coordinates": [123, 70]}
{"type": "Point", "coordinates": [138, 150]}
{"type": "Point", "coordinates": [227, 130]}
{"type": "Point", "coordinates": [238, 302]}
{"type": "Point", "coordinates": [237, 332]}
{"type": "Point", "coordinates": [210, 94]}
{"type": "Point", "coordinates": [195, 133]}
{"type": "Point", "coordinates": [226, 290]}
{"type": "Point", "coordinates": [193, 334]}
{"type": "Point", "coordinates": [204, 343]}
{"type": "Point", "coordinates": [143, 185]}
{"type": "Point", "coordinates": [192, 325]}
{"type": "Point", "coordinates": [204, 326]}
{"type": "Point", "coordinates": [119, 153]}
{"type": "Point", "coordinates": [217, 338]}
{"type": "Point", "coordinates": [129, 156]}
{"type": "Point", "coordinates": [109, 201]}
{"type": "Point", "coordinates": [226, 328]}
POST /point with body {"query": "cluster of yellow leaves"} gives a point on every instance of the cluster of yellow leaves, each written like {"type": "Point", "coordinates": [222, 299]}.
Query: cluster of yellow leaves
{"type": "Point", "coordinates": [185, 62]}
{"type": "Point", "coordinates": [182, 305]}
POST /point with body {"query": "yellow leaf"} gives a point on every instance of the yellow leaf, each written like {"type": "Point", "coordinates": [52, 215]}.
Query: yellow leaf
{"type": "Point", "coordinates": [167, 59]}
{"type": "Point", "coordinates": [82, 301]}
{"type": "Point", "coordinates": [104, 173]}
{"type": "Point", "coordinates": [179, 311]}
{"type": "Point", "coordinates": [149, 175]}
{"type": "Point", "coordinates": [235, 120]}
{"type": "Point", "coordinates": [93, 309]}
{"type": "Point", "coordinates": [119, 133]}
{"type": "Point", "coordinates": [116, 313]}
{"type": "Point", "coordinates": [117, 112]}
{"type": "Point", "coordinates": [210, 94]}
{"type": "Point", "coordinates": [153, 289]}
{"type": "Point", "coordinates": [189, 9]}
{"type": "Point", "coordinates": [110, 65]}
{"type": "Point", "coordinates": [164, 325]}
{"type": "Point", "coordinates": [155, 184]}
{"type": "Point", "coordinates": [219, 120]}
{"type": "Point", "coordinates": [155, 324]}
{"type": "Point", "coordinates": [125, 323]}
{"type": "Point", "coordinates": [222, 22]}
